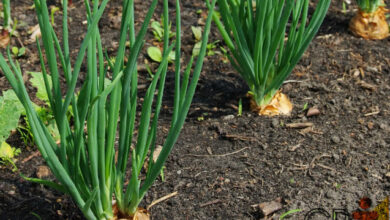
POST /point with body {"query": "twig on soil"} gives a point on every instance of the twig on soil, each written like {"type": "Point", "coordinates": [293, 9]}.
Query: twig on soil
{"type": "Point", "coordinates": [300, 166]}
{"type": "Point", "coordinates": [326, 167]}
{"type": "Point", "coordinates": [304, 131]}
{"type": "Point", "coordinates": [326, 36]}
{"type": "Point", "coordinates": [372, 113]}
{"type": "Point", "coordinates": [294, 81]}
{"type": "Point", "coordinates": [312, 164]}
{"type": "Point", "coordinates": [34, 154]}
{"type": "Point", "coordinates": [299, 125]}
{"type": "Point", "coordinates": [349, 162]}
{"type": "Point", "coordinates": [239, 137]}
{"type": "Point", "coordinates": [210, 203]}
{"type": "Point", "coordinates": [216, 155]}
{"type": "Point", "coordinates": [376, 176]}
{"type": "Point", "coordinates": [161, 199]}
{"type": "Point", "coordinates": [196, 175]}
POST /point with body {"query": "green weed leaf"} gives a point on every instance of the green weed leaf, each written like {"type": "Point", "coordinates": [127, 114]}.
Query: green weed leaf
{"type": "Point", "coordinates": [8, 152]}
{"type": "Point", "coordinates": [38, 82]}
{"type": "Point", "coordinates": [22, 51]}
{"type": "Point", "coordinates": [155, 54]}
{"type": "Point", "coordinates": [197, 31]}
{"type": "Point", "coordinates": [196, 49]}
{"type": "Point", "coordinates": [10, 110]}
{"type": "Point", "coordinates": [15, 51]}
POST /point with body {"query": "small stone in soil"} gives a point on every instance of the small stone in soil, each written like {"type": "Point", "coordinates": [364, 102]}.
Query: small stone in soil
{"type": "Point", "coordinates": [228, 117]}
{"type": "Point", "coordinates": [312, 112]}
{"type": "Point", "coordinates": [335, 139]}
{"type": "Point", "coordinates": [370, 125]}
{"type": "Point", "coordinates": [384, 126]}
{"type": "Point", "coordinates": [275, 123]}
{"type": "Point", "coordinates": [331, 194]}
{"type": "Point", "coordinates": [43, 171]}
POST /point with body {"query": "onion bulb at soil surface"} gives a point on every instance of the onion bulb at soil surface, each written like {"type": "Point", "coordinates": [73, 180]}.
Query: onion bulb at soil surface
{"type": "Point", "coordinates": [372, 26]}
{"type": "Point", "coordinates": [279, 105]}
{"type": "Point", "coordinates": [140, 214]}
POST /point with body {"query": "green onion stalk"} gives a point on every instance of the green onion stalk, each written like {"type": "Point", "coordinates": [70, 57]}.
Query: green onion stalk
{"type": "Point", "coordinates": [7, 15]}
{"type": "Point", "coordinates": [369, 6]}
{"type": "Point", "coordinates": [255, 32]}
{"type": "Point", "coordinates": [100, 140]}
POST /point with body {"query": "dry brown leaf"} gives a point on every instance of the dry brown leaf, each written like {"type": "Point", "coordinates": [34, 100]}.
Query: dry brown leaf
{"type": "Point", "coordinates": [35, 33]}
{"type": "Point", "coordinates": [4, 39]}
{"type": "Point", "coordinates": [372, 26]}
{"type": "Point", "coordinates": [156, 152]}
{"type": "Point", "coordinates": [270, 207]}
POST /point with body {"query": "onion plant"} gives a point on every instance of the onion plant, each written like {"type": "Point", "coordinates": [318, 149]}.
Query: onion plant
{"type": "Point", "coordinates": [255, 32]}
{"type": "Point", "coordinates": [91, 160]}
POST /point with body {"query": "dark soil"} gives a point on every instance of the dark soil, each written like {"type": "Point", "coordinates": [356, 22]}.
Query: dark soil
{"type": "Point", "coordinates": [223, 166]}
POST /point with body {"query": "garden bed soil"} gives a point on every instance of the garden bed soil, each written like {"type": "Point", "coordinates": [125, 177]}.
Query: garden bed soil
{"type": "Point", "coordinates": [224, 165]}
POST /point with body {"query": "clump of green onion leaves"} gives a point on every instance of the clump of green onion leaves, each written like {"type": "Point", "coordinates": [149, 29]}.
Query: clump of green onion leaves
{"type": "Point", "coordinates": [104, 133]}
{"type": "Point", "coordinates": [369, 6]}
{"type": "Point", "coordinates": [255, 32]}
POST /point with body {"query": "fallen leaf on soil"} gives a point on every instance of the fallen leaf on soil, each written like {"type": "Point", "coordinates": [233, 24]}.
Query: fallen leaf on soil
{"type": "Point", "coordinates": [43, 171]}
{"type": "Point", "coordinates": [270, 207]}
{"type": "Point", "coordinates": [312, 112]}
{"type": "Point", "coordinates": [279, 105]}
{"type": "Point", "coordinates": [371, 26]}
{"type": "Point", "coordinates": [35, 33]}
{"type": "Point", "coordinates": [4, 39]}
{"type": "Point", "coordinates": [299, 125]}
{"type": "Point", "coordinates": [34, 154]}
{"type": "Point", "coordinates": [157, 152]}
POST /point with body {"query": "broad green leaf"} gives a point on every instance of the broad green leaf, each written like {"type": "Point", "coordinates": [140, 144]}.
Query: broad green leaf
{"type": "Point", "coordinates": [171, 56]}
{"type": "Point", "coordinates": [197, 31]}
{"type": "Point", "coordinates": [8, 152]}
{"type": "Point", "coordinates": [22, 51]}
{"type": "Point", "coordinates": [15, 51]}
{"type": "Point", "coordinates": [158, 31]}
{"type": "Point", "coordinates": [155, 54]}
{"type": "Point", "coordinates": [196, 49]}
{"type": "Point", "coordinates": [38, 82]}
{"type": "Point", "coordinates": [10, 110]}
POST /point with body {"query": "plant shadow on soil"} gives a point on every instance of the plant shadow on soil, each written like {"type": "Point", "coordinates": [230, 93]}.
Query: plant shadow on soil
{"type": "Point", "coordinates": [223, 166]}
